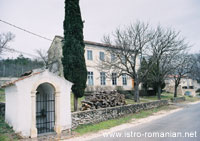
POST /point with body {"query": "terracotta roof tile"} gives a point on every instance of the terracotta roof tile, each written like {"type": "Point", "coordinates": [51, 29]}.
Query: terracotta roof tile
{"type": "Point", "coordinates": [19, 79]}
{"type": "Point", "coordinates": [90, 42]}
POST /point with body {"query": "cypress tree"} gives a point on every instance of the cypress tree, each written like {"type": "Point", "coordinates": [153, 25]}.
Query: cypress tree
{"type": "Point", "coordinates": [73, 50]}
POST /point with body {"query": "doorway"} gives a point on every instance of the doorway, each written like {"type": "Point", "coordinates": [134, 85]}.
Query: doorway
{"type": "Point", "coordinates": [45, 108]}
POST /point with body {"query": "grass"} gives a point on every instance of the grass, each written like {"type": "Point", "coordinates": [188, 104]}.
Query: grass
{"type": "Point", "coordinates": [115, 122]}
{"type": "Point", "coordinates": [142, 114]}
{"type": "Point", "coordinates": [2, 95]}
{"type": "Point", "coordinates": [192, 99]}
{"type": "Point", "coordinates": [167, 96]}
{"type": "Point", "coordinates": [164, 96]}
{"type": "Point", "coordinates": [6, 132]}
{"type": "Point", "coordinates": [79, 102]}
{"type": "Point", "coordinates": [131, 101]}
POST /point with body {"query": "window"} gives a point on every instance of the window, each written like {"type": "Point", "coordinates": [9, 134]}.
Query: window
{"type": "Point", "coordinates": [90, 78]}
{"type": "Point", "coordinates": [101, 56]}
{"type": "Point", "coordinates": [89, 54]}
{"type": "Point", "coordinates": [103, 78]}
{"type": "Point", "coordinates": [114, 78]}
{"type": "Point", "coordinates": [124, 79]}
{"type": "Point", "coordinates": [124, 59]}
{"type": "Point", "coordinates": [113, 57]}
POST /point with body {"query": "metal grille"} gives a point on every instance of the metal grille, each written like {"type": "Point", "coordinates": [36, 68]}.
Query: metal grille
{"type": "Point", "coordinates": [45, 112]}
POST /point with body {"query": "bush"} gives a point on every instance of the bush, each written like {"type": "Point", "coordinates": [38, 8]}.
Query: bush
{"type": "Point", "coordinates": [129, 94]}
{"type": "Point", "coordinates": [119, 88]}
{"type": "Point", "coordinates": [198, 90]}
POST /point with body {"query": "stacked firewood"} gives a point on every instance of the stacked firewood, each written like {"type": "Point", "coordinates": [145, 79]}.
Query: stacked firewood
{"type": "Point", "coordinates": [102, 100]}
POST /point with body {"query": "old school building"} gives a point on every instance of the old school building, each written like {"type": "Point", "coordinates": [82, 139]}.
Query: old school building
{"type": "Point", "coordinates": [96, 79]}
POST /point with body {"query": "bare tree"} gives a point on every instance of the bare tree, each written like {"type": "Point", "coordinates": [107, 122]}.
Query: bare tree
{"type": "Point", "coordinates": [43, 56]}
{"type": "Point", "coordinates": [5, 38]}
{"type": "Point", "coordinates": [126, 48]}
{"type": "Point", "coordinates": [129, 45]}
{"type": "Point", "coordinates": [54, 60]}
{"type": "Point", "coordinates": [183, 64]}
{"type": "Point", "coordinates": [195, 74]}
{"type": "Point", "coordinates": [164, 48]}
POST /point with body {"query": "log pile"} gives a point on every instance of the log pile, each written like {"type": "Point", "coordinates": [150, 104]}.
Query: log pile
{"type": "Point", "coordinates": [102, 100]}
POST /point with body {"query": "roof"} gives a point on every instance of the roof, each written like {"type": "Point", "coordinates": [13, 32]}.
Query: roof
{"type": "Point", "coordinates": [21, 78]}
{"type": "Point", "coordinates": [90, 42]}
{"type": "Point", "coordinates": [172, 76]}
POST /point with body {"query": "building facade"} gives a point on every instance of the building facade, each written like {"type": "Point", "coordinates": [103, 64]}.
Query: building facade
{"type": "Point", "coordinates": [38, 103]}
{"type": "Point", "coordinates": [97, 80]}
{"type": "Point", "coordinates": [186, 85]}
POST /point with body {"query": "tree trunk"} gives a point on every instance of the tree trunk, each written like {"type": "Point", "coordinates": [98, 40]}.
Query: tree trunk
{"type": "Point", "coordinates": [146, 91]}
{"type": "Point", "coordinates": [177, 82]}
{"type": "Point", "coordinates": [159, 92]}
{"type": "Point", "coordinates": [175, 90]}
{"type": "Point", "coordinates": [75, 103]}
{"type": "Point", "coordinates": [136, 93]}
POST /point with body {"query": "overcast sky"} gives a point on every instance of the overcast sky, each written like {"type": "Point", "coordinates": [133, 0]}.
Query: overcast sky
{"type": "Point", "coordinates": [45, 17]}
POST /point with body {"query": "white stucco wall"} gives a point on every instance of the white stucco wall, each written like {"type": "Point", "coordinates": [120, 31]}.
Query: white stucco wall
{"type": "Point", "coordinates": [55, 55]}
{"type": "Point", "coordinates": [11, 114]}
{"type": "Point", "coordinates": [65, 106]}
{"type": "Point", "coordinates": [92, 66]}
{"type": "Point", "coordinates": [18, 101]}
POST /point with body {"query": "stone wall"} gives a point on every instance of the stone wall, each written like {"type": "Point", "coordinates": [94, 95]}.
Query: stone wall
{"type": "Point", "coordinates": [2, 109]}
{"type": "Point", "coordinates": [98, 115]}
{"type": "Point", "coordinates": [178, 99]}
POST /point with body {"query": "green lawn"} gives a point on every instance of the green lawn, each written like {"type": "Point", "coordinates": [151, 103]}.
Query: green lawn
{"type": "Point", "coordinates": [6, 132]}
{"type": "Point", "coordinates": [164, 96]}
{"type": "Point", "coordinates": [131, 101]}
{"type": "Point", "coordinates": [192, 99]}
{"type": "Point", "coordinates": [115, 122]}
{"type": "Point", "coordinates": [168, 96]}
{"type": "Point", "coordinates": [2, 95]}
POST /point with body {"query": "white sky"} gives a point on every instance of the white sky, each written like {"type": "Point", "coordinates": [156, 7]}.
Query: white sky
{"type": "Point", "coordinates": [45, 17]}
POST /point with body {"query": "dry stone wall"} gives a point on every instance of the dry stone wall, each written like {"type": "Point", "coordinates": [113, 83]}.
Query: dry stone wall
{"type": "Point", "coordinates": [103, 114]}
{"type": "Point", "coordinates": [98, 115]}
{"type": "Point", "coordinates": [177, 99]}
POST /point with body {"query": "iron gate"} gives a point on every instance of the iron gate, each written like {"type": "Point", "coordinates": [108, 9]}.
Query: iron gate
{"type": "Point", "coordinates": [45, 112]}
